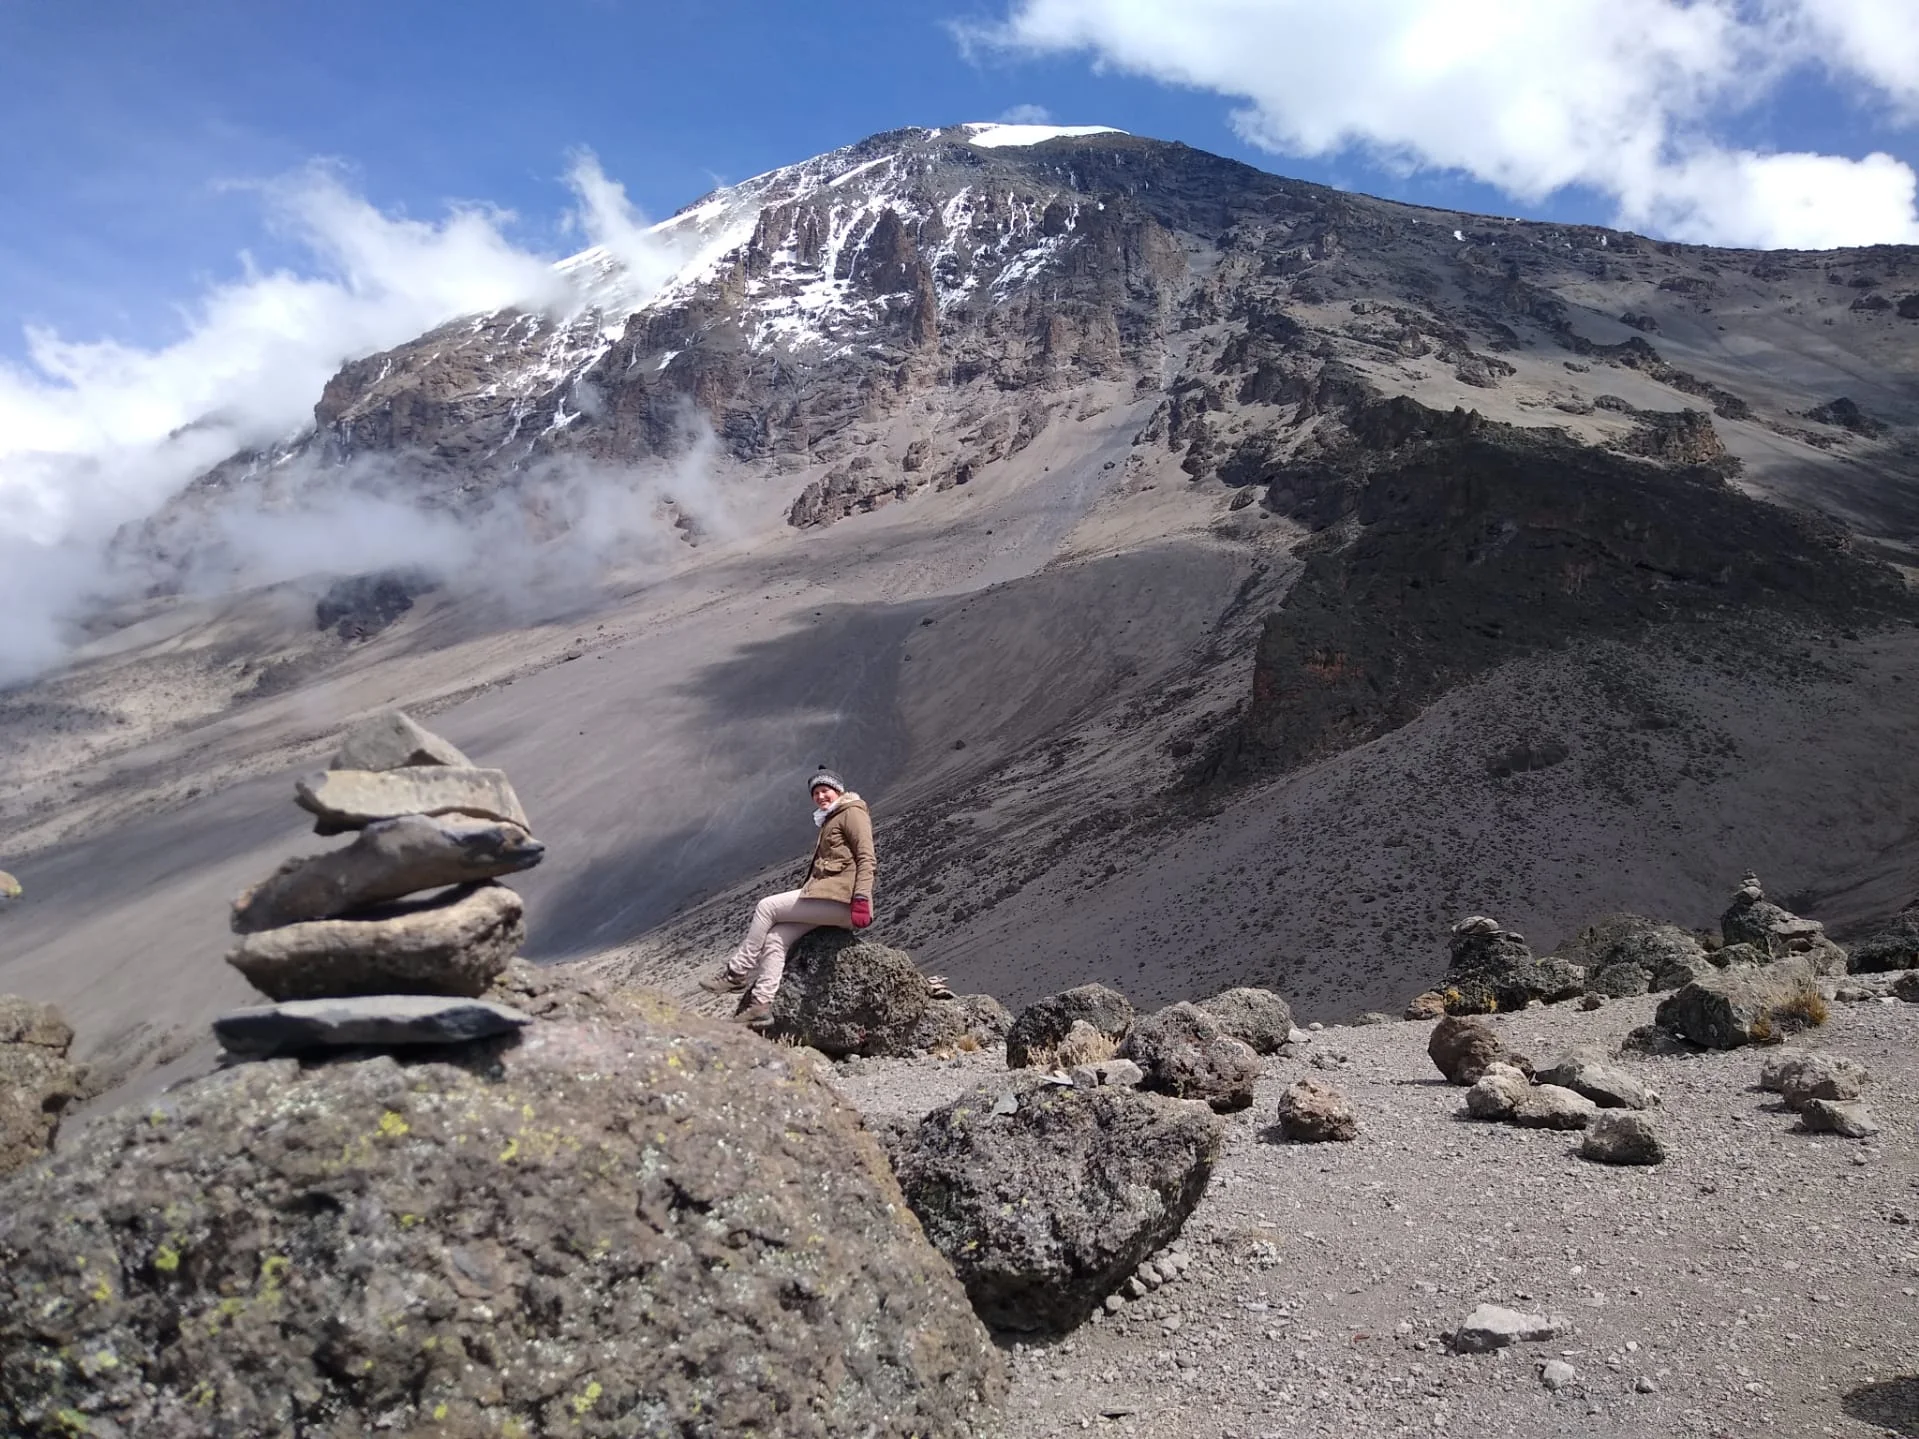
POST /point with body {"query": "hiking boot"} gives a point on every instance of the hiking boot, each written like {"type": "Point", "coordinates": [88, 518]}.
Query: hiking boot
{"type": "Point", "coordinates": [754, 1016]}
{"type": "Point", "coordinates": [723, 983]}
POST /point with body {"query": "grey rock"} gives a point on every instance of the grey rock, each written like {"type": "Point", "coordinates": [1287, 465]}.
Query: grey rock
{"type": "Point", "coordinates": [1585, 1070]}
{"type": "Point", "coordinates": [1590, 1002]}
{"type": "Point", "coordinates": [1652, 1041]}
{"type": "Point", "coordinates": [1122, 1072]}
{"type": "Point", "coordinates": [390, 859]}
{"type": "Point", "coordinates": [1256, 1017]}
{"type": "Point", "coordinates": [1493, 1326]}
{"type": "Point", "coordinates": [344, 799]}
{"type": "Point", "coordinates": [1186, 1053]}
{"type": "Point", "coordinates": [1429, 1005]}
{"type": "Point", "coordinates": [1621, 981]}
{"type": "Point", "coordinates": [456, 943]}
{"type": "Point", "coordinates": [844, 994]}
{"type": "Point", "coordinates": [392, 740]}
{"type": "Point", "coordinates": [558, 1228]}
{"type": "Point", "coordinates": [1622, 1137]}
{"type": "Point", "coordinates": [1462, 1046]}
{"type": "Point", "coordinates": [1043, 1024]}
{"type": "Point", "coordinates": [1557, 1374]}
{"type": "Point", "coordinates": [1497, 1092]}
{"type": "Point", "coordinates": [1745, 1004]}
{"type": "Point", "coordinates": [37, 1081]}
{"type": "Point", "coordinates": [1799, 1077]}
{"type": "Point", "coordinates": [1314, 1113]}
{"type": "Point", "coordinates": [1548, 1106]}
{"type": "Point", "coordinates": [1847, 1120]}
{"type": "Point", "coordinates": [976, 1021]}
{"type": "Point", "coordinates": [1750, 917]}
{"type": "Point", "coordinates": [301, 1025]}
{"type": "Point", "coordinates": [1046, 1210]}
{"type": "Point", "coordinates": [1906, 986]}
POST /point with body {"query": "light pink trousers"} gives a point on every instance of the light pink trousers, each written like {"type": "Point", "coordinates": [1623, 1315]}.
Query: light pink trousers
{"type": "Point", "coordinates": [778, 920]}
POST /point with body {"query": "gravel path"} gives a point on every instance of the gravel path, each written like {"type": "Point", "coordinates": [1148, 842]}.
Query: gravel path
{"type": "Point", "coordinates": [1760, 1280]}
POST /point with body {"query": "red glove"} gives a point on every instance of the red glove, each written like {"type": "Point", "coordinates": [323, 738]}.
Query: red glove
{"type": "Point", "coordinates": [862, 911]}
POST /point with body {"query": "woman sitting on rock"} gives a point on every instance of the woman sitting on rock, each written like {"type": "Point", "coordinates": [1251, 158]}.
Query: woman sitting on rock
{"type": "Point", "coordinates": [838, 891]}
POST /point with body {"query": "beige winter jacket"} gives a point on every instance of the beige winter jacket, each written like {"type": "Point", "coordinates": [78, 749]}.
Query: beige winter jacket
{"type": "Point", "coordinates": [843, 861]}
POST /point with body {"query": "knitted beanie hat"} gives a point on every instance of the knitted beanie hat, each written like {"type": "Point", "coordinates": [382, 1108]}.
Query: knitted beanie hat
{"type": "Point", "coordinates": [826, 777]}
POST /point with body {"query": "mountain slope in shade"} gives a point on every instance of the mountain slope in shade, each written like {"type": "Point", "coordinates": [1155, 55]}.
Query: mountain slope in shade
{"type": "Point", "coordinates": [1207, 576]}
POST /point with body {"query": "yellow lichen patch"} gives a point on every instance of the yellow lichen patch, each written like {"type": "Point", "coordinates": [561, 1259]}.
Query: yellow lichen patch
{"type": "Point", "coordinates": [273, 1273]}
{"type": "Point", "coordinates": [439, 1410]}
{"type": "Point", "coordinates": [200, 1395]}
{"type": "Point", "coordinates": [73, 1421]}
{"type": "Point", "coordinates": [101, 1291]}
{"type": "Point", "coordinates": [392, 1125]}
{"type": "Point", "coordinates": [587, 1397]}
{"type": "Point", "coordinates": [166, 1259]}
{"type": "Point", "coordinates": [407, 1221]}
{"type": "Point", "coordinates": [512, 1150]}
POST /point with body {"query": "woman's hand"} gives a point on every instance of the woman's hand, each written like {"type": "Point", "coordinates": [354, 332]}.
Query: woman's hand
{"type": "Point", "coordinates": [862, 911]}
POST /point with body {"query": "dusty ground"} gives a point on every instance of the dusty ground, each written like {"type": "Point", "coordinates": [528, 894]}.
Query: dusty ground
{"type": "Point", "coordinates": [1761, 1280]}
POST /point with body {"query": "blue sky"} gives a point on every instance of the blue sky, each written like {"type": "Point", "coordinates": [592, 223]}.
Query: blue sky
{"type": "Point", "coordinates": [137, 133]}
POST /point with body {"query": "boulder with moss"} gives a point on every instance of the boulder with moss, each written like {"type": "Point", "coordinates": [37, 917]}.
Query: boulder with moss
{"type": "Point", "coordinates": [606, 1227]}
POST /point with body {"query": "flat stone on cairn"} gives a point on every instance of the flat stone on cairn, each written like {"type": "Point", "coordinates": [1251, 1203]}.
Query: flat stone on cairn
{"type": "Point", "coordinates": [336, 941]}
{"type": "Point", "coordinates": [380, 1019]}
{"type": "Point", "coordinates": [346, 799]}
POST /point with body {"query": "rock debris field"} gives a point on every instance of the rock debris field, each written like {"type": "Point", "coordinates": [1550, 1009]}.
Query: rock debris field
{"type": "Point", "coordinates": [1761, 1279]}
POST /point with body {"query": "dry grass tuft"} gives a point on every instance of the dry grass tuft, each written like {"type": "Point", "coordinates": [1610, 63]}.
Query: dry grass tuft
{"type": "Point", "coordinates": [1805, 1009]}
{"type": "Point", "coordinates": [967, 1043]}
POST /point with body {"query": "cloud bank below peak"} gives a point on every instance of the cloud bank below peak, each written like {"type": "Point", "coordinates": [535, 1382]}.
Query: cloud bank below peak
{"type": "Point", "coordinates": [1627, 98]}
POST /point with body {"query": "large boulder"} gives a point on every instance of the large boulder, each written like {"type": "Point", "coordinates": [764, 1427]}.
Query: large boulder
{"type": "Point", "coordinates": [1894, 947]}
{"type": "Point", "coordinates": [1045, 1197]}
{"type": "Point", "coordinates": [1627, 954]}
{"type": "Point", "coordinates": [344, 799]}
{"type": "Point", "coordinates": [1744, 1004]}
{"type": "Point", "coordinates": [967, 1021]}
{"type": "Point", "coordinates": [1256, 1017]}
{"type": "Point", "coordinates": [37, 1082]}
{"type": "Point", "coordinates": [847, 995]}
{"type": "Point", "coordinates": [1315, 1113]}
{"type": "Point", "coordinates": [390, 859]}
{"type": "Point", "coordinates": [601, 1229]}
{"type": "Point", "coordinates": [1463, 1046]}
{"type": "Point", "coordinates": [1041, 1026]}
{"type": "Point", "coordinates": [455, 943]}
{"type": "Point", "coordinates": [1186, 1053]}
{"type": "Point", "coordinates": [392, 740]}
{"type": "Point", "coordinates": [1587, 1069]}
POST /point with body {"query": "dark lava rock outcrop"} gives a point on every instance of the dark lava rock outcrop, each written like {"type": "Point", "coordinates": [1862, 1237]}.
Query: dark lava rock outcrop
{"type": "Point", "coordinates": [844, 994]}
{"type": "Point", "coordinates": [603, 1229]}
{"type": "Point", "coordinates": [1045, 1197]}
{"type": "Point", "coordinates": [1042, 1025]}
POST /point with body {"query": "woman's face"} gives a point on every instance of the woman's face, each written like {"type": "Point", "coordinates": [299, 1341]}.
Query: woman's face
{"type": "Point", "coordinates": [824, 795]}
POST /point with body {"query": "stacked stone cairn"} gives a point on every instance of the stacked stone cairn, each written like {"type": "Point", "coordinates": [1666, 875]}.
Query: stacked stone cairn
{"type": "Point", "coordinates": [349, 945]}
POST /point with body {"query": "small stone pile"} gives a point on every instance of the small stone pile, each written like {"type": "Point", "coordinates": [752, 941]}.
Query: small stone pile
{"type": "Point", "coordinates": [341, 942]}
{"type": "Point", "coordinates": [1757, 931]}
{"type": "Point", "coordinates": [1823, 1090]}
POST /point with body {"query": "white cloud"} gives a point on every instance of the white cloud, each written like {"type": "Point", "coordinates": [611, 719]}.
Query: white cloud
{"type": "Point", "coordinates": [95, 434]}
{"type": "Point", "coordinates": [1027, 115]}
{"type": "Point", "coordinates": [1618, 95]}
